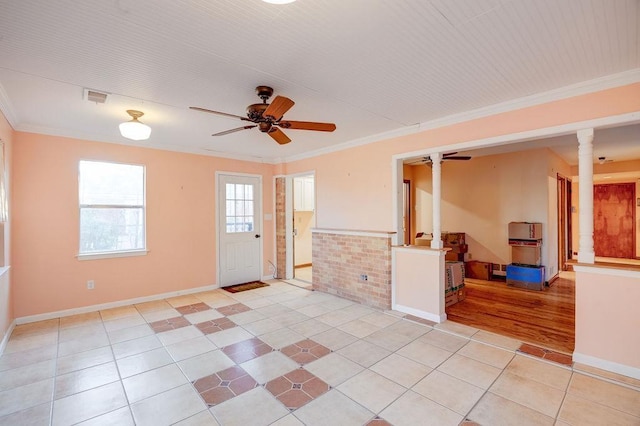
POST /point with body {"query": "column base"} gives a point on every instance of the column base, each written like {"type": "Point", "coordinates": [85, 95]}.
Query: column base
{"type": "Point", "coordinates": [586, 257]}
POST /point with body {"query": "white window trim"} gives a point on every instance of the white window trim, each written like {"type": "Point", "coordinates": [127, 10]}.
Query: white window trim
{"type": "Point", "coordinates": [112, 254]}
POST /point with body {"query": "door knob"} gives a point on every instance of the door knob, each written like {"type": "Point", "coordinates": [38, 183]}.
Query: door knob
{"type": "Point", "coordinates": [257, 235]}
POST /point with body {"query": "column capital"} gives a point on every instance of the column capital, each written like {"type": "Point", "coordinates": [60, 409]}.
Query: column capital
{"type": "Point", "coordinates": [436, 157]}
{"type": "Point", "coordinates": [585, 135]}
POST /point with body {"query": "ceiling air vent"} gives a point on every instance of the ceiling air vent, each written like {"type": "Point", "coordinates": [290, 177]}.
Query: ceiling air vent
{"type": "Point", "coordinates": [95, 96]}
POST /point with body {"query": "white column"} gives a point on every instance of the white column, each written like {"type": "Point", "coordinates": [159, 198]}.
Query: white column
{"type": "Point", "coordinates": [436, 179]}
{"type": "Point", "coordinates": [586, 253]}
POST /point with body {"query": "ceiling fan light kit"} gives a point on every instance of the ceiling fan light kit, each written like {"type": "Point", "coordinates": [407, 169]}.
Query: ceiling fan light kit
{"type": "Point", "coordinates": [268, 117]}
{"type": "Point", "coordinates": [134, 129]}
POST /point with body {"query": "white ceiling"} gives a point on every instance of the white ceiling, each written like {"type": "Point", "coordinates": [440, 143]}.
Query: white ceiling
{"type": "Point", "coordinates": [369, 66]}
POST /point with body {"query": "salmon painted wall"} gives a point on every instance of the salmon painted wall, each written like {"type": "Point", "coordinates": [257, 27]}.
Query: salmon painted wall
{"type": "Point", "coordinates": [418, 293]}
{"type": "Point", "coordinates": [6, 305]}
{"type": "Point", "coordinates": [180, 212]}
{"type": "Point", "coordinates": [607, 322]}
{"type": "Point", "coordinates": [353, 185]}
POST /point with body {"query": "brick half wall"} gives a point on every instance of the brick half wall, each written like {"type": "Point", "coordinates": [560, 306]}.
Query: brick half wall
{"type": "Point", "coordinates": [340, 258]}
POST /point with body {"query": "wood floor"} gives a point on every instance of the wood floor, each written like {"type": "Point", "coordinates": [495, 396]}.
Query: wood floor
{"type": "Point", "coordinates": [544, 318]}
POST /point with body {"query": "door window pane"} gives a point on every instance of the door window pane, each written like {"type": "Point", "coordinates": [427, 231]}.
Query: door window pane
{"type": "Point", "coordinates": [239, 207]}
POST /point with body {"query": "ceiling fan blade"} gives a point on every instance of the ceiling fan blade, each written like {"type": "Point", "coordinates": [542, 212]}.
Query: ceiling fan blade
{"type": "Point", "coordinates": [226, 132]}
{"type": "Point", "coordinates": [448, 154]}
{"type": "Point", "coordinates": [457, 157]}
{"type": "Point", "coordinates": [279, 136]}
{"type": "Point", "coordinates": [307, 125]}
{"type": "Point", "coordinates": [219, 113]}
{"type": "Point", "coordinates": [277, 108]}
{"type": "Point", "coordinates": [418, 161]}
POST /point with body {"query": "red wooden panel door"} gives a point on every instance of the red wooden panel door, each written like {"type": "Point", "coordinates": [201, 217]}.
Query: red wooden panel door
{"type": "Point", "coordinates": [614, 220]}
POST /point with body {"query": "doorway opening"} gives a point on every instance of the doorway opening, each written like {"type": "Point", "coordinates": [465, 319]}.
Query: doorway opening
{"type": "Point", "coordinates": [475, 214]}
{"type": "Point", "coordinates": [564, 223]}
{"type": "Point", "coordinates": [614, 214]}
{"type": "Point", "coordinates": [303, 222]}
{"type": "Point", "coordinates": [406, 210]}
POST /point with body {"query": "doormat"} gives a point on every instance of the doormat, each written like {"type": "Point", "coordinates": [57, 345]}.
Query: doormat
{"type": "Point", "coordinates": [244, 287]}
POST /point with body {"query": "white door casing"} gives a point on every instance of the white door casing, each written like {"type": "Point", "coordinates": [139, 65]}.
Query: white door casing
{"type": "Point", "coordinates": [239, 228]}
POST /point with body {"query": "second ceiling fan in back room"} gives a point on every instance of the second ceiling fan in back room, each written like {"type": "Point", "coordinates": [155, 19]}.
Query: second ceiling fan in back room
{"type": "Point", "coordinates": [448, 156]}
{"type": "Point", "coordinates": [268, 118]}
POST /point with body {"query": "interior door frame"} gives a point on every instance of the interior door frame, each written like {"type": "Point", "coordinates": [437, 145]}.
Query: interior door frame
{"type": "Point", "coordinates": [407, 207]}
{"type": "Point", "coordinates": [289, 238]}
{"type": "Point", "coordinates": [218, 221]}
{"type": "Point", "coordinates": [564, 222]}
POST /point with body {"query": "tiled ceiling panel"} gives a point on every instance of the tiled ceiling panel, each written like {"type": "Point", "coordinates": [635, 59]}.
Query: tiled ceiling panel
{"type": "Point", "coordinates": [369, 66]}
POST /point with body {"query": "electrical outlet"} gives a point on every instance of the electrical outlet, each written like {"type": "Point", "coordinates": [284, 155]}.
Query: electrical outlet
{"type": "Point", "coordinates": [364, 277]}
{"type": "Point", "coordinates": [91, 285]}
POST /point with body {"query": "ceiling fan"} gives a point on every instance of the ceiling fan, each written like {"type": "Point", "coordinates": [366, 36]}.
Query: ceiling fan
{"type": "Point", "coordinates": [449, 156]}
{"type": "Point", "coordinates": [268, 117]}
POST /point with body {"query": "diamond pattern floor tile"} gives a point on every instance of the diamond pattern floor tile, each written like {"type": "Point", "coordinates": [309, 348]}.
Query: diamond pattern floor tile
{"type": "Point", "coordinates": [192, 309]}
{"type": "Point", "coordinates": [213, 326]}
{"type": "Point", "coordinates": [296, 388]}
{"type": "Point", "coordinates": [305, 351]}
{"type": "Point", "coordinates": [236, 308]}
{"type": "Point", "coordinates": [224, 385]}
{"type": "Point", "coordinates": [169, 324]}
{"type": "Point", "coordinates": [246, 350]}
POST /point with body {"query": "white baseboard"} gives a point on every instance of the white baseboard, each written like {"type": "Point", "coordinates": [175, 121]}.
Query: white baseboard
{"type": "Point", "coordinates": [420, 314]}
{"type": "Point", "coordinates": [6, 337]}
{"type": "Point", "coordinates": [611, 366]}
{"type": "Point", "coordinates": [117, 304]}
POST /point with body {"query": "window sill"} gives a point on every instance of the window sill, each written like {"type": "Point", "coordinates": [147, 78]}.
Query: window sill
{"type": "Point", "coordinates": [110, 255]}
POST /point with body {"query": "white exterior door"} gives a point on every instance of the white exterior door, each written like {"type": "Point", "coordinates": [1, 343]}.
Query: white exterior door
{"type": "Point", "coordinates": [239, 231]}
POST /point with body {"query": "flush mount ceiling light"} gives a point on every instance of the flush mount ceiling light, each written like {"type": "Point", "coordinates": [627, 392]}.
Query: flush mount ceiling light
{"type": "Point", "coordinates": [134, 129]}
{"type": "Point", "coordinates": [279, 1]}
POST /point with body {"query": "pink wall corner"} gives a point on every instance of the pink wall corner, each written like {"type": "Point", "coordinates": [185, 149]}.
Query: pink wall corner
{"type": "Point", "coordinates": [607, 318]}
{"type": "Point", "coordinates": [6, 290]}
{"type": "Point", "coordinates": [180, 211]}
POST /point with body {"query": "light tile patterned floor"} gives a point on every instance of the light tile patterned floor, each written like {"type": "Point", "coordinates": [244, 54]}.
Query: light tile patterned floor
{"type": "Point", "coordinates": [284, 355]}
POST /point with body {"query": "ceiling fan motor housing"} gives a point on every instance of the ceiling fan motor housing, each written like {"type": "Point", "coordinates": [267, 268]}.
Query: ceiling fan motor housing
{"type": "Point", "coordinates": [264, 92]}
{"type": "Point", "coordinates": [254, 111]}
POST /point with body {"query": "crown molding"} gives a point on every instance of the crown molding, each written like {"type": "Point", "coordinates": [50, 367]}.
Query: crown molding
{"type": "Point", "coordinates": [403, 131]}
{"type": "Point", "coordinates": [7, 108]}
{"type": "Point", "coordinates": [582, 88]}
{"type": "Point", "coordinates": [566, 92]}
{"type": "Point", "coordinates": [51, 131]}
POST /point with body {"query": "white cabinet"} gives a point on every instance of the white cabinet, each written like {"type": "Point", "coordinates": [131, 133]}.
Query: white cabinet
{"type": "Point", "coordinates": [303, 194]}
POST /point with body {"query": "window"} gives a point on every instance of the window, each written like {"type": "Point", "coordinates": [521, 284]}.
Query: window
{"type": "Point", "coordinates": [239, 207]}
{"type": "Point", "coordinates": [112, 204]}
